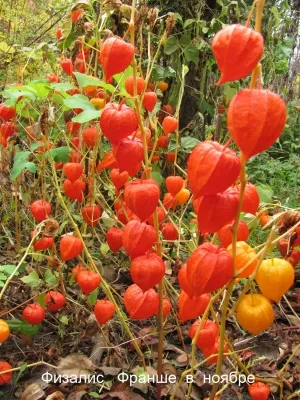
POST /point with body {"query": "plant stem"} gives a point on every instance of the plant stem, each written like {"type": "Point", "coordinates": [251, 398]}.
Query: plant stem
{"type": "Point", "coordinates": [259, 9]}
{"type": "Point", "coordinates": [148, 176]}
{"type": "Point", "coordinates": [177, 112]}
{"type": "Point", "coordinates": [252, 276]}
{"type": "Point", "coordinates": [243, 179]}
{"type": "Point", "coordinates": [289, 359]}
{"type": "Point", "coordinates": [235, 227]}
{"type": "Point", "coordinates": [195, 339]}
{"type": "Point", "coordinates": [93, 265]}
{"type": "Point", "coordinates": [21, 261]}
{"type": "Point", "coordinates": [28, 366]}
{"type": "Point", "coordinates": [222, 337]}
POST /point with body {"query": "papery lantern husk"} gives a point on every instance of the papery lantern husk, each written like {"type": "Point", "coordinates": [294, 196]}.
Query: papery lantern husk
{"type": "Point", "coordinates": [147, 270]}
{"type": "Point", "coordinates": [212, 168]}
{"type": "Point", "coordinates": [208, 333]}
{"type": "Point", "coordinates": [217, 210]}
{"type": "Point", "coordinates": [70, 247]}
{"type": "Point", "coordinates": [254, 313]}
{"type": "Point", "coordinates": [225, 234]}
{"type": "Point", "coordinates": [139, 304]}
{"type": "Point", "coordinates": [114, 238]}
{"type": "Point", "coordinates": [118, 121]}
{"type": "Point", "coordinates": [250, 199]}
{"type": "Point", "coordinates": [237, 50]}
{"type": "Point", "coordinates": [128, 154]}
{"type": "Point", "coordinates": [255, 120]}
{"type": "Point", "coordinates": [191, 307]}
{"type": "Point", "coordinates": [138, 238]}
{"type": "Point", "coordinates": [115, 56]}
{"type": "Point", "coordinates": [209, 268]}
{"type": "Point", "coordinates": [141, 197]}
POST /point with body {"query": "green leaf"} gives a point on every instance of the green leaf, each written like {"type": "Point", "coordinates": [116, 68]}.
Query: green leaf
{"type": "Point", "coordinates": [5, 48]}
{"type": "Point", "coordinates": [58, 98]}
{"type": "Point", "coordinates": [41, 299]}
{"type": "Point", "coordinates": [178, 18]}
{"type": "Point", "coordinates": [51, 278]}
{"type": "Point", "coordinates": [21, 163]}
{"type": "Point", "coordinates": [43, 80]}
{"type": "Point", "coordinates": [171, 45]}
{"type": "Point", "coordinates": [185, 70]}
{"type": "Point", "coordinates": [250, 220]}
{"type": "Point", "coordinates": [104, 248]}
{"type": "Point", "coordinates": [122, 76]}
{"type": "Point", "coordinates": [62, 87]}
{"type": "Point", "coordinates": [188, 143]}
{"type": "Point", "coordinates": [66, 28]}
{"type": "Point", "coordinates": [21, 156]}
{"type": "Point", "coordinates": [78, 218]}
{"type": "Point", "coordinates": [32, 279]}
{"type": "Point", "coordinates": [66, 43]}
{"type": "Point", "coordinates": [158, 73]}
{"type": "Point", "coordinates": [2, 277]}
{"type": "Point", "coordinates": [8, 269]}
{"type": "Point", "coordinates": [206, 107]}
{"type": "Point", "coordinates": [189, 22]}
{"type": "Point", "coordinates": [22, 368]}
{"type": "Point", "coordinates": [24, 113]}
{"type": "Point", "coordinates": [185, 40]}
{"type": "Point", "coordinates": [81, 3]}
{"type": "Point", "coordinates": [23, 327]}
{"type": "Point", "coordinates": [85, 80]}
{"type": "Point", "coordinates": [79, 101]}
{"type": "Point", "coordinates": [265, 193]}
{"type": "Point", "coordinates": [169, 72]}
{"type": "Point", "coordinates": [92, 297]}
{"type": "Point", "coordinates": [94, 395]}
{"type": "Point", "coordinates": [86, 116]}
{"type": "Point", "coordinates": [64, 320]}
{"type": "Point", "coordinates": [13, 96]}
{"type": "Point", "coordinates": [191, 54]}
{"type": "Point", "coordinates": [42, 89]}
{"type": "Point", "coordinates": [229, 92]}
{"type": "Point", "coordinates": [157, 177]}
{"type": "Point", "coordinates": [35, 146]}
{"type": "Point", "coordinates": [61, 154]}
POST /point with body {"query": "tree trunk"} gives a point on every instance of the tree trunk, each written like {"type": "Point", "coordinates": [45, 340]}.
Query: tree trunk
{"type": "Point", "coordinates": [189, 9]}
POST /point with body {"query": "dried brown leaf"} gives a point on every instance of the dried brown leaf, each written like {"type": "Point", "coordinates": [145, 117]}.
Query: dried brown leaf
{"type": "Point", "coordinates": [171, 389]}
{"type": "Point", "coordinates": [33, 392]}
{"type": "Point", "coordinates": [98, 349]}
{"type": "Point", "coordinates": [289, 219]}
{"type": "Point", "coordinates": [171, 347]}
{"type": "Point", "coordinates": [76, 365]}
{"type": "Point", "coordinates": [110, 371]}
{"type": "Point", "coordinates": [56, 396]}
{"type": "Point", "coordinates": [121, 391]}
{"type": "Point", "coordinates": [44, 122]}
{"type": "Point", "coordinates": [293, 319]}
{"type": "Point", "coordinates": [77, 395]}
{"type": "Point", "coordinates": [143, 387]}
{"type": "Point", "coordinates": [169, 369]}
{"type": "Point", "coordinates": [182, 360]}
{"type": "Point", "coordinates": [92, 327]}
{"type": "Point", "coordinates": [50, 227]}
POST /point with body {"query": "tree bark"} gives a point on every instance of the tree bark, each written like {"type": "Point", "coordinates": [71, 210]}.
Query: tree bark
{"type": "Point", "coordinates": [189, 9]}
